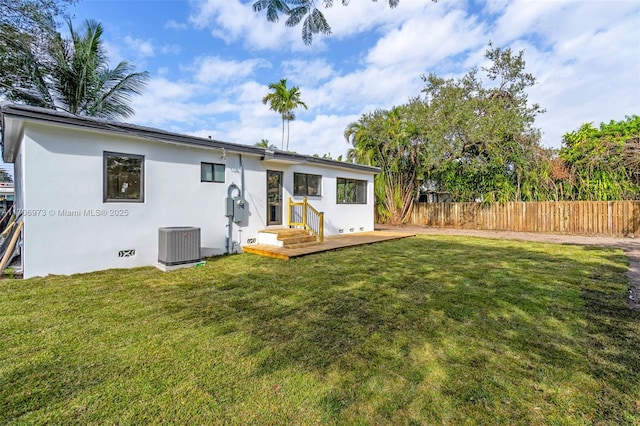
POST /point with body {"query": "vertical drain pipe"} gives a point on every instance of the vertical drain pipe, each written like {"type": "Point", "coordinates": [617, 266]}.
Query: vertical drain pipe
{"type": "Point", "coordinates": [243, 199]}
{"type": "Point", "coordinates": [241, 178]}
{"type": "Point", "coordinates": [230, 190]}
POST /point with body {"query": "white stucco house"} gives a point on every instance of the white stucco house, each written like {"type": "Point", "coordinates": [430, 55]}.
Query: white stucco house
{"type": "Point", "coordinates": [93, 194]}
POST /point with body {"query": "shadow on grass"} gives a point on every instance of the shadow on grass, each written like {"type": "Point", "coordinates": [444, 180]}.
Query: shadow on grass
{"type": "Point", "coordinates": [424, 330]}
{"type": "Point", "coordinates": [503, 330]}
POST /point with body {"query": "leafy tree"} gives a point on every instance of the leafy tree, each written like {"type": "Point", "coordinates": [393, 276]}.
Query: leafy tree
{"type": "Point", "coordinates": [475, 140]}
{"type": "Point", "coordinates": [25, 26]}
{"type": "Point", "coordinates": [327, 156]}
{"type": "Point", "coordinates": [73, 75]}
{"type": "Point", "coordinates": [5, 176]}
{"type": "Point", "coordinates": [392, 141]}
{"type": "Point", "coordinates": [547, 176]}
{"type": "Point", "coordinates": [31, 16]}
{"type": "Point", "coordinates": [284, 101]}
{"type": "Point", "coordinates": [631, 157]}
{"type": "Point", "coordinates": [604, 162]}
{"type": "Point", "coordinates": [305, 11]}
{"type": "Point", "coordinates": [485, 134]}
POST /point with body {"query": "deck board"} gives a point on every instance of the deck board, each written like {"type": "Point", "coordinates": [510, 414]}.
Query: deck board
{"type": "Point", "coordinates": [330, 243]}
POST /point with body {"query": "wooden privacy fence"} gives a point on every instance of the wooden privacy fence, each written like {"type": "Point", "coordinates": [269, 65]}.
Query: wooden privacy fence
{"type": "Point", "coordinates": [611, 218]}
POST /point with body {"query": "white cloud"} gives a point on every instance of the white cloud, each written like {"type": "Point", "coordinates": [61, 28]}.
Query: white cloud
{"type": "Point", "coordinates": [174, 25]}
{"type": "Point", "coordinates": [215, 69]}
{"type": "Point", "coordinates": [143, 48]}
{"type": "Point", "coordinates": [594, 76]}
{"type": "Point", "coordinates": [170, 49]}
{"type": "Point", "coordinates": [422, 42]}
{"type": "Point", "coordinates": [302, 72]}
{"type": "Point", "coordinates": [165, 101]}
{"type": "Point", "coordinates": [232, 20]}
{"type": "Point", "coordinates": [364, 16]}
{"type": "Point", "coordinates": [113, 52]}
{"type": "Point", "coordinates": [585, 55]}
{"type": "Point", "coordinates": [521, 17]}
{"type": "Point", "coordinates": [365, 88]}
{"type": "Point", "coordinates": [324, 134]}
{"type": "Point", "coordinates": [249, 92]}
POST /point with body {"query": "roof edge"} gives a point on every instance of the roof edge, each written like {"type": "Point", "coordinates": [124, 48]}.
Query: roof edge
{"type": "Point", "coordinates": [25, 112]}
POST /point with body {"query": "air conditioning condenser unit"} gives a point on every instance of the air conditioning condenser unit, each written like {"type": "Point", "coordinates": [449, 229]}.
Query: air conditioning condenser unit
{"type": "Point", "coordinates": [178, 245]}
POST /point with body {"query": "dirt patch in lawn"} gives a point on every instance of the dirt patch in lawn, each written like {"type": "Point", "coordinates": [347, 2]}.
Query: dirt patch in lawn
{"type": "Point", "coordinates": [631, 246]}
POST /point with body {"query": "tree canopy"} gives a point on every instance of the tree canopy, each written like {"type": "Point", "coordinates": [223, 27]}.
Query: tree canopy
{"type": "Point", "coordinates": [5, 176]}
{"type": "Point", "coordinates": [305, 12]}
{"type": "Point", "coordinates": [264, 143]}
{"type": "Point", "coordinates": [485, 132]}
{"type": "Point", "coordinates": [476, 140]}
{"type": "Point", "coordinates": [603, 163]}
{"type": "Point", "coordinates": [31, 16]}
{"type": "Point", "coordinates": [25, 25]}
{"type": "Point", "coordinates": [393, 141]}
{"type": "Point", "coordinates": [70, 74]}
{"type": "Point", "coordinates": [473, 139]}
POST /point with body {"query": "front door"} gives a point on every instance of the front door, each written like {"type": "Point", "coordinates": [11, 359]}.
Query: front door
{"type": "Point", "coordinates": [274, 198]}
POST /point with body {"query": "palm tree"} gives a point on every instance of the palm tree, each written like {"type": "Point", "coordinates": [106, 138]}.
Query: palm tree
{"type": "Point", "coordinates": [73, 75]}
{"type": "Point", "coordinates": [83, 80]}
{"type": "Point", "coordinates": [314, 20]}
{"type": "Point", "coordinates": [264, 143]}
{"type": "Point", "coordinates": [383, 139]}
{"type": "Point", "coordinates": [284, 101]}
{"type": "Point", "coordinates": [355, 134]}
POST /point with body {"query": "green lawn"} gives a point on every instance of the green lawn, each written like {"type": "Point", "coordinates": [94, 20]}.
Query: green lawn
{"type": "Point", "coordinates": [426, 330]}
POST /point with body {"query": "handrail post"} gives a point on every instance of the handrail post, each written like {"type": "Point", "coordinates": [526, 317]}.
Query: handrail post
{"type": "Point", "coordinates": [321, 217]}
{"type": "Point", "coordinates": [289, 212]}
{"type": "Point", "coordinates": [304, 213]}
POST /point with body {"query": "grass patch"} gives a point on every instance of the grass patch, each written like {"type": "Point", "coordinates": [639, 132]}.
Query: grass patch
{"type": "Point", "coordinates": [418, 331]}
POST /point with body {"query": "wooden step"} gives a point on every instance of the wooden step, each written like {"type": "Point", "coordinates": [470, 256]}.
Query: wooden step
{"type": "Point", "coordinates": [290, 236]}
{"type": "Point", "coordinates": [284, 232]}
{"type": "Point", "coordinates": [263, 250]}
{"type": "Point", "coordinates": [301, 245]}
{"type": "Point", "coordinates": [287, 237]}
{"type": "Point", "coordinates": [287, 242]}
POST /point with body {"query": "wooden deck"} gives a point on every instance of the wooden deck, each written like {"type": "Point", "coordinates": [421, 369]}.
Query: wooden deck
{"type": "Point", "coordinates": [330, 243]}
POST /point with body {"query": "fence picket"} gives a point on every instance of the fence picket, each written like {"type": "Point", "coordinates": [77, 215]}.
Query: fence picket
{"type": "Point", "coordinates": [612, 218]}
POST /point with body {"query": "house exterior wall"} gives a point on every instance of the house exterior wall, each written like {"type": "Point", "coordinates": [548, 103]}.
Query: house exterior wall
{"type": "Point", "coordinates": [68, 228]}
{"type": "Point", "coordinates": [339, 218]}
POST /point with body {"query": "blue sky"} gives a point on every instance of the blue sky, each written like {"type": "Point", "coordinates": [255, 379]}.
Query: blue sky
{"type": "Point", "coordinates": [211, 61]}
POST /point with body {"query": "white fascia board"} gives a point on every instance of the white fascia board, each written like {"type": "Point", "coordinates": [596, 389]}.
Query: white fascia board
{"type": "Point", "coordinates": [12, 130]}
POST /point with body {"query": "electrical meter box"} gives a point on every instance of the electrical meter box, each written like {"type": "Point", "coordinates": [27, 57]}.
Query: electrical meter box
{"type": "Point", "coordinates": [235, 209]}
